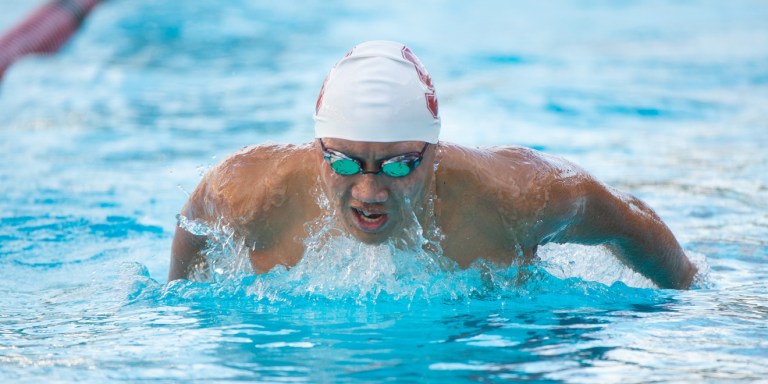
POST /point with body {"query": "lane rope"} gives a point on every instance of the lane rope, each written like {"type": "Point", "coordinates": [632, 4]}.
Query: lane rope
{"type": "Point", "coordinates": [44, 31]}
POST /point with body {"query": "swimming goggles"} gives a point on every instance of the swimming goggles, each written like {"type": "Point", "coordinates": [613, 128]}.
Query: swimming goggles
{"type": "Point", "coordinates": [396, 166]}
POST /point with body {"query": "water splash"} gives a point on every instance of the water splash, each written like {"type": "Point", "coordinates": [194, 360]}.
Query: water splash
{"type": "Point", "coordinates": [336, 266]}
{"type": "Point", "coordinates": [225, 254]}
{"type": "Point", "coordinates": [339, 268]}
{"type": "Point", "coordinates": [597, 263]}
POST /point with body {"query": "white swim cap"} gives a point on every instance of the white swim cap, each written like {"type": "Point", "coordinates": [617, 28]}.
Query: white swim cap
{"type": "Point", "coordinates": [379, 92]}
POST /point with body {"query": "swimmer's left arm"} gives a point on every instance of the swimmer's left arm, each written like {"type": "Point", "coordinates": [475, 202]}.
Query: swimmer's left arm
{"type": "Point", "coordinates": [632, 230]}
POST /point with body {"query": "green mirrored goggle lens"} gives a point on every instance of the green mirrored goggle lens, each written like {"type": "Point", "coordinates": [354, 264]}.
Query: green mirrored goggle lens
{"type": "Point", "coordinates": [345, 166]}
{"type": "Point", "coordinates": [396, 169]}
{"type": "Point", "coordinates": [348, 167]}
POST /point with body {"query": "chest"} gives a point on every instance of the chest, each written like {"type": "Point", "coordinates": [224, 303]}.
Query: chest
{"type": "Point", "coordinates": [286, 253]}
{"type": "Point", "coordinates": [467, 238]}
{"type": "Point", "coordinates": [280, 234]}
{"type": "Point", "coordinates": [475, 229]}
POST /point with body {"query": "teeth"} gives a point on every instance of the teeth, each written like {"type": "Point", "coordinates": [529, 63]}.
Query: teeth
{"type": "Point", "coordinates": [369, 216]}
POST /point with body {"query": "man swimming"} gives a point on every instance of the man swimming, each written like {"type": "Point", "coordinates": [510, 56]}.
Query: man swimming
{"type": "Point", "coordinates": [378, 162]}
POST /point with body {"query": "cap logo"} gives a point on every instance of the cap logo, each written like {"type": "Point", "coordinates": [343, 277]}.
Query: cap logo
{"type": "Point", "coordinates": [430, 95]}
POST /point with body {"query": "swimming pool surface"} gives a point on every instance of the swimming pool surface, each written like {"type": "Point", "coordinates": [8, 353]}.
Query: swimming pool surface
{"type": "Point", "coordinates": [101, 144]}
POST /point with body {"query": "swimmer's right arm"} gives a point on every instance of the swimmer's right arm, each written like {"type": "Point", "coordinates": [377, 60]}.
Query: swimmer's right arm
{"type": "Point", "coordinates": [186, 250]}
{"type": "Point", "coordinates": [187, 247]}
{"type": "Point", "coordinates": [224, 192]}
{"type": "Point", "coordinates": [185, 253]}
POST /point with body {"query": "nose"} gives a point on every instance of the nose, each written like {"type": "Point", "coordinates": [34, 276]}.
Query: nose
{"type": "Point", "coordinates": [369, 189]}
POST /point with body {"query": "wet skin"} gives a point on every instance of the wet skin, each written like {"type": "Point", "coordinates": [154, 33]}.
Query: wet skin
{"type": "Point", "coordinates": [374, 207]}
{"type": "Point", "coordinates": [497, 203]}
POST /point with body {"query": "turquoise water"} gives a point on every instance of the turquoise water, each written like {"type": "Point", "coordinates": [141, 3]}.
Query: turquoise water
{"type": "Point", "coordinates": [101, 144]}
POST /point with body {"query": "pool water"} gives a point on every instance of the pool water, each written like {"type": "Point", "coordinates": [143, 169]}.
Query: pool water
{"type": "Point", "coordinates": [101, 144]}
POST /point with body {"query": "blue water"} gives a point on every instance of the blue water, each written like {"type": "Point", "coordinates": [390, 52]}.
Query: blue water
{"type": "Point", "coordinates": [101, 144]}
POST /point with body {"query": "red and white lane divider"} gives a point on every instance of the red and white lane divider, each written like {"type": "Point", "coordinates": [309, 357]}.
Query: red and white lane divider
{"type": "Point", "coordinates": [44, 31]}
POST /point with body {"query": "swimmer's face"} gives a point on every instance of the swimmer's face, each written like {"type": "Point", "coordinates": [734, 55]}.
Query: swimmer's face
{"type": "Point", "coordinates": [376, 207]}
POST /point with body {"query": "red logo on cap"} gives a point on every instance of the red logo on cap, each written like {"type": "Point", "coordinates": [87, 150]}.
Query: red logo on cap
{"type": "Point", "coordinates": [430, 95]}
{"type": "Point", "coordinates": [320, 96]}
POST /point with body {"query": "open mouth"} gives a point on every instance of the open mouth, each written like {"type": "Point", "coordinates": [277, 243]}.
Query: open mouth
{"type": "Point", "coordinates": [369, 221]}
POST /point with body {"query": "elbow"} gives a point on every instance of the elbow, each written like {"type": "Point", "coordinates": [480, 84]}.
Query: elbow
{"type": "Point", "coordinates": [683, 279]}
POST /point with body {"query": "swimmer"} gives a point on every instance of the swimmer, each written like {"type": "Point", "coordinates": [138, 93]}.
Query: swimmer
{"type": "Point", "coordinates": [377, 158]}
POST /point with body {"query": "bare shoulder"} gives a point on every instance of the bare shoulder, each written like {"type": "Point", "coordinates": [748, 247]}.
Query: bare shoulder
{"type": "Point", "coordinates": [526, 188]}
{"type": "Point", "coordinates": [548, 185]}
{"type": "Point", "coordinates": [249, 182]}
{"type": "Point", "coordinates": [513, 169]}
